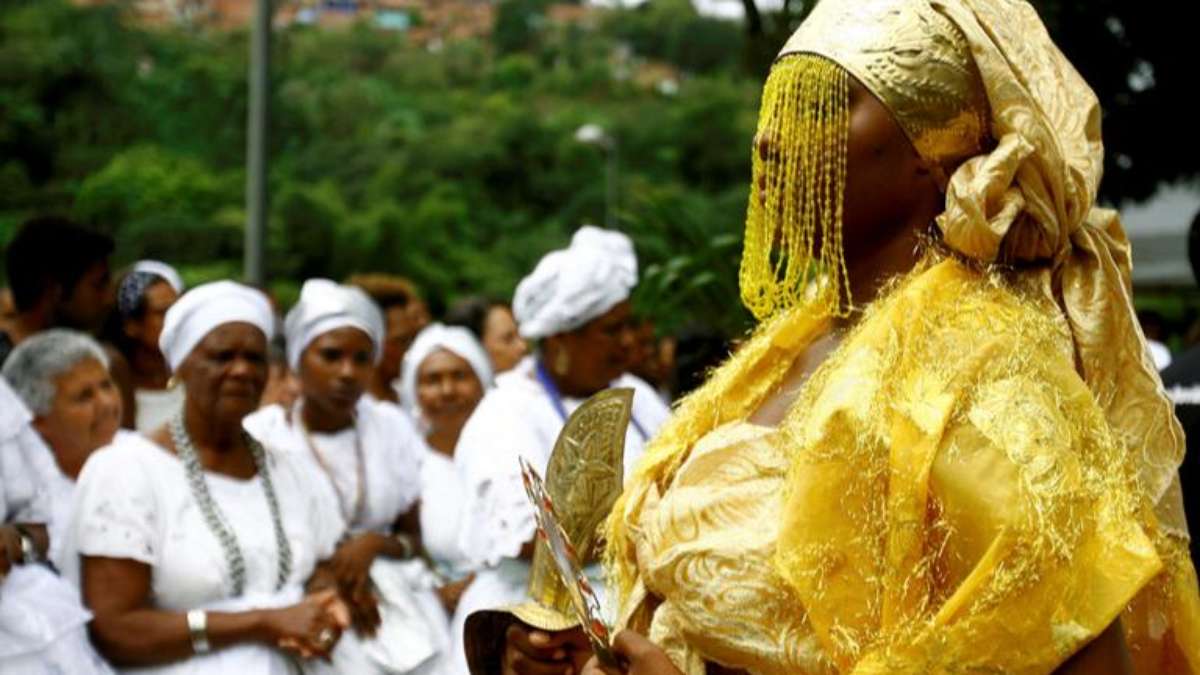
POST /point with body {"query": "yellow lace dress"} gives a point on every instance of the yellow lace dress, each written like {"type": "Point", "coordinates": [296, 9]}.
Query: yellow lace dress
{"type": "Point", "coordinates": [944, 496]}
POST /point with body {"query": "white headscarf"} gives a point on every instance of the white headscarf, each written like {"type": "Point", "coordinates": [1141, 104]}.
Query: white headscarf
{"type": "Point", "coordinates": [206, 307]}
{"type": "Point", "coordinates": [325, 306]}
{"type": "Point", "coordinates": [456, 340]}
{"type": "Point", "coordinates": [161, 270]}
{"type": "Point", "coordinates": [131, 291]}
{"type": "Point", "coordinates": [572, 286]}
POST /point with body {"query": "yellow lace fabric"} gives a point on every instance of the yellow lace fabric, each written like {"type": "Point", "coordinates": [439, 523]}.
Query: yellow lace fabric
{"type": "Point", "coordinates": [706, 550]}
{"type": "Point", "coordinates": [945, 496]}
{"type": "Point", "coordinates": [1021, 188]}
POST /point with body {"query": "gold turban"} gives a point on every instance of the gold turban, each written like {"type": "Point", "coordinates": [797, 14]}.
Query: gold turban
{"type": "Point", "coordinates": [989, 101]}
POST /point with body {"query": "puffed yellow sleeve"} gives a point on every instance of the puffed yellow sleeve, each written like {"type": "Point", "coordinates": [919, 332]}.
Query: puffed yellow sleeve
{"type": "Point", "coordinates": [705, 550]}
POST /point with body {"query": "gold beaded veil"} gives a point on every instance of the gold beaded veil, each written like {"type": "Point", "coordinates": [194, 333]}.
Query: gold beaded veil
{"type": "Point", "coordinates": [793, 244]}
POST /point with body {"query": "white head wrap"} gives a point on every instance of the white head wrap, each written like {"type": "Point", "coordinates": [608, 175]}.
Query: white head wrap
{"type": "Point", "coordinates": [206, 307]}
{"type": "Point", "coordinates": [131, 291]}
{"type": "Point", "coordinates": [326, 306]}
{"type": "Point", "coordinates": [572, 286]}
{"type": "Point", "coordinates": [161, 270]}
{"type": "Point", "coordinates": [454, 339]}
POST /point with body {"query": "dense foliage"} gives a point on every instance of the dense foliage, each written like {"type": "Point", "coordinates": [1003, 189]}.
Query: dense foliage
{"type": "Point", "coordinates": [456, 166]}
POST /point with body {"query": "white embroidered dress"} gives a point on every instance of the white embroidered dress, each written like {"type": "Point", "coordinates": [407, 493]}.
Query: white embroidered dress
{"type": "Point", "coordinates": [133, 501]}
{"type": "Point", "coordinates": [414, 636]}
{"type": "Point", "coordinates": [442, 504]}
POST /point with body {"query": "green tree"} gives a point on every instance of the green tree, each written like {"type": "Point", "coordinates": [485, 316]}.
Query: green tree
{"type": "Point", "coordinates": [458, 167]}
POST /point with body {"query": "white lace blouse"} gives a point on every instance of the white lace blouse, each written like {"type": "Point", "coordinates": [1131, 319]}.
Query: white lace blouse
{"type": "Point", "coordinates": [133, 501]}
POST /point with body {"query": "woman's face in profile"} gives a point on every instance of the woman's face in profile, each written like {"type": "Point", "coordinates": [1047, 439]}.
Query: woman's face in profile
{"type": "Point", "coordinates": [885, 177]}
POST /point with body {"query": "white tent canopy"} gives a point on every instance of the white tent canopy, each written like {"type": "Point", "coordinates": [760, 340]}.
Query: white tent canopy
{"type": "Point", "coordinates": [1158, 230]}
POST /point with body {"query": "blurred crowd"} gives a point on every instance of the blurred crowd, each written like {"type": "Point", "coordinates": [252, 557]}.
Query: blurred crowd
{"type": "Point", "coordinates": [194, 480]}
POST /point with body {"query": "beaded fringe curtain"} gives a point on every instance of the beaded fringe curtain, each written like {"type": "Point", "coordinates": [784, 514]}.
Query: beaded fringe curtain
{"type": "Point", "coordinates": [793, 243]}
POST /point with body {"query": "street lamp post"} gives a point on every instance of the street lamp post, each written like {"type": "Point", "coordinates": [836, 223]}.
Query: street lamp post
{"type": "Point", "coordinates": [256, 143]}
{"type": "Point", "coordinates": [594, 134]}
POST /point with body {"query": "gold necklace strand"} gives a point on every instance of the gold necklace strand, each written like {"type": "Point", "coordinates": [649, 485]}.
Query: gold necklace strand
{"type": "Point", "coordinates": [360, 497]}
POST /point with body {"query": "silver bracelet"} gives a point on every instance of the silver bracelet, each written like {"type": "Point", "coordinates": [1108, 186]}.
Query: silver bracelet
{"type": "Point", "coordinates": [197, 623]}
{"type": "Point", "coordinates": [406, 543]}
{"type": "Point", "coordinates": [29, 552]}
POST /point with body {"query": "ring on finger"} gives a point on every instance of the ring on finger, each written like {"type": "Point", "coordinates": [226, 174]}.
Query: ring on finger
{"type": "Point", "coordinates": [325, 637]}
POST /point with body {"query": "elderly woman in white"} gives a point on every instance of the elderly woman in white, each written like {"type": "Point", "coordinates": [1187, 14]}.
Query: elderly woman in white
{"type": "Point", "coordinates": [62, 379]}
{"type": "Point", "coordinates": [575, 304]}
{"type": "Point", "coordinates": [66, 404]}
{"type": "Point", "coordinates": [445, 375]}
{"type": "Point", "coordinates": [366, 458]}
{"type": "Point", "coordinates": [194, 546]}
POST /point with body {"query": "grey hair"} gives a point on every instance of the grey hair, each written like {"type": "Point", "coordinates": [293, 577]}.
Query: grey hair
{"type": "Point", "coordinates": [35, 364]}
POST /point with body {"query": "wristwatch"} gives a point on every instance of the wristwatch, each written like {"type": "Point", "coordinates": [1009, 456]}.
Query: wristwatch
{"type": "Point", "coordinates": [197, 623]}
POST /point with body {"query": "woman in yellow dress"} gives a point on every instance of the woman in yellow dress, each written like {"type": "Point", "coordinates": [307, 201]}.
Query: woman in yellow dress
{"type": "Point", "coordinates": [945, 450]}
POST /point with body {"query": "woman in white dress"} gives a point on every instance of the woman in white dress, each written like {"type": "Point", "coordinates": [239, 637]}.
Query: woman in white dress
{"type": "Point", "coordinates": [43, 627]}
{"type": "Point", "coordinates": [445, 374]}
{"type": "Point", "coordinates": [66, 405]}
{"type": "Point", "coordinates": [366, 457]}
{"type": "Point", "coordinates": [575, 304]}
{"type": "Point", "coordinates": [144, 294]}
{"type": "Point", "coordinates": [62, 378]}
{"type": "Point", "coordinates": [194, 546]}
